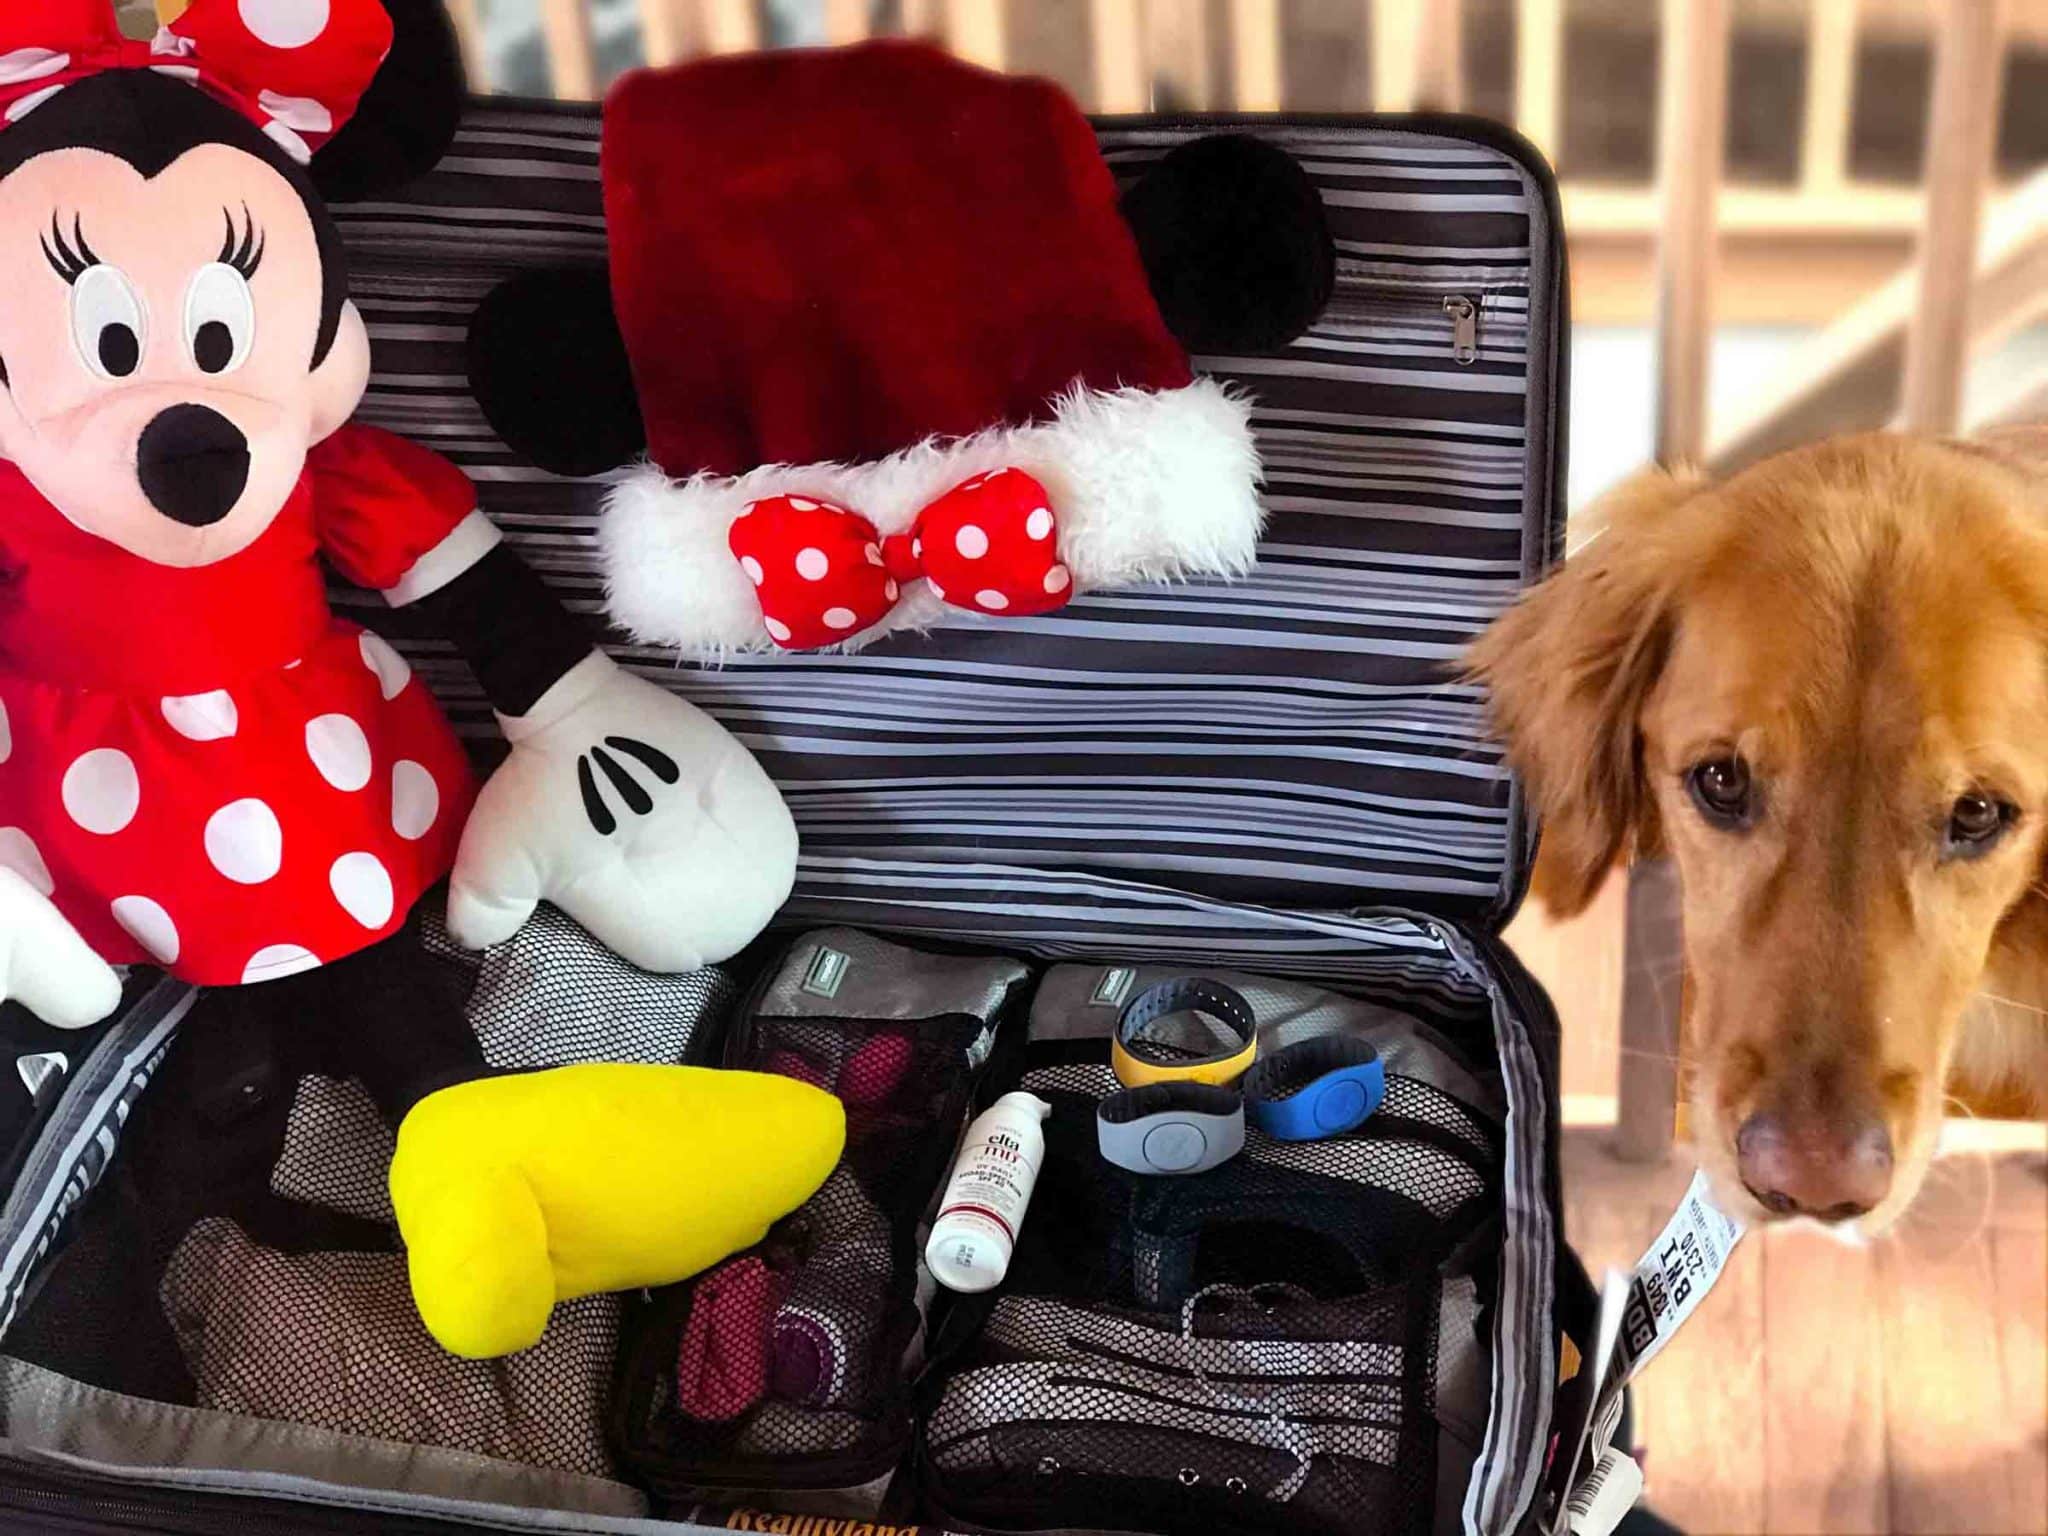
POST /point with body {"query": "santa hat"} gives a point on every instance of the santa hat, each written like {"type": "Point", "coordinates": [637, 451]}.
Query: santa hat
{"type": "Point", "coordinates": [896, 355]}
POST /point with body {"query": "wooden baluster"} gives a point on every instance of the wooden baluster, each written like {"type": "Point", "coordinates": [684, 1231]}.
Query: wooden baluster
{"type": "Point", "coordinates": [469, 38]}
{"type": "Point", "coordinates": [1692, 114]}
{"type": "Point", "coordinates": [1415, 55]}
{"type": "Point", "coordinates": [1830, 95]}
{"type": "Point", "coordinates": [1539, 49]}
{"type": "Point", "coordinates": [1652, 1009]}
{"type": "Point", "coordinates": [1177, 49]}
{"type": "Point", "coordinates": [672, 30]}
{"type": "Point", "coordinates": [1395, 40]}
{"type": "Point", "coordinates": [565, 31]}
{"type": "Point", "coordinates": [846, 21]}
{"type": "Point", "coordinates": [1692, 119]}
{"type": "Point", "coordinates": [729, 26]}
{"type": "Point", "coordinates": [974, 31]}
{"type": "Point", "coordinates": [1256, 84]}
{"type": "Point", "coordinates": [1962, 128]}
{"type": "Point", "coordinates": [1439, 56]}
{"type": "Point", "coordinates": [1118, 33]}
{"type": "Point", "coordinates": [666, 33]}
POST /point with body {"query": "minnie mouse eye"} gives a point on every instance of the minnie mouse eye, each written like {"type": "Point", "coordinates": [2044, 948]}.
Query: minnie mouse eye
{"type": "Point", "coordinates": [220, 318]}
{"type": "Point", "coordinates": [107, 322]}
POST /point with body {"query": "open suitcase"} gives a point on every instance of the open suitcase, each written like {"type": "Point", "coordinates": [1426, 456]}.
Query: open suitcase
{"type": "Point", "coordinates": [1274, 777]}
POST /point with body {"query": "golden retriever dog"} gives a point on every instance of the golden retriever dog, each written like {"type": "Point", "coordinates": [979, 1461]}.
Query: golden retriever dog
{"type": "Point", "coordinates": [1822, 688]}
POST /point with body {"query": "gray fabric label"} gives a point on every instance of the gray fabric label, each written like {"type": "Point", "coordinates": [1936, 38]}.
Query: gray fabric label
{"type": "Point", "coordinates": [828, 969]}
{"type": "Point", "coordinates": [1113, 988]}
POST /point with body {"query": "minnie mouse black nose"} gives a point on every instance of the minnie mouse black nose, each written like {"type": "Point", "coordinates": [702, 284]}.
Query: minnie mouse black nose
{"type": "Point", "coordinates": [192, 463]}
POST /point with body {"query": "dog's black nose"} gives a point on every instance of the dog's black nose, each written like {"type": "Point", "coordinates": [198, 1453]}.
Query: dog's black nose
{"type": "Point", "coordinates": [192, 463]}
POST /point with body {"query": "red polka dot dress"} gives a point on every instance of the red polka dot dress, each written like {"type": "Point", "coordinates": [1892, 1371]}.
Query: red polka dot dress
{"type": "Point", "coordinates": [205, 769]}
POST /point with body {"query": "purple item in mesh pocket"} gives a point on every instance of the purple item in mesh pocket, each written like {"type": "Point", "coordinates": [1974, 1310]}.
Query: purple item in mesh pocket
{"type": "Point", "coordinates": [824, 1333]}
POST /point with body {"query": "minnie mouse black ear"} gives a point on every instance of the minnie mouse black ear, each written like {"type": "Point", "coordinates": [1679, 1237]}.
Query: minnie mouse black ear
{"type": "Point", "coordinates": [407, 119]}
{"type": "Point", "coordinates": [549, 371]}
{"type": "Point", "coordinates": [1235, 243]}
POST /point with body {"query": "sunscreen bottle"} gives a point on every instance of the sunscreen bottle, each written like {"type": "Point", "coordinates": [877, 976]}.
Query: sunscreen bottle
{"type": "Point", "coordinates": [976, 1229]}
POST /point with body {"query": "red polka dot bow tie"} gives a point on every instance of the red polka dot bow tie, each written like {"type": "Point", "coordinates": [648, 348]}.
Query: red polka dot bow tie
{"type": "Point", "coordinates": [295, 68]}
{"type": "Point", "coordinates": [824, 574]}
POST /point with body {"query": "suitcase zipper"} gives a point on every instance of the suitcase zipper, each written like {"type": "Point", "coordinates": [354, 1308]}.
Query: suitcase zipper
{"type": "Point", "coordinates": [1464, 318]}
{"type": "Point", "coordinates": [1458, 313]}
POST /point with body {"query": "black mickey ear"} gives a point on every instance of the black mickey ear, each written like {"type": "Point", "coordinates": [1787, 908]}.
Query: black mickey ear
{"type": "Point", "coordinates": [549, 369]}
{"type": "Point", "coordinates": [407, 119]}
{"type": "Point", "coordinates": [1235, 242]}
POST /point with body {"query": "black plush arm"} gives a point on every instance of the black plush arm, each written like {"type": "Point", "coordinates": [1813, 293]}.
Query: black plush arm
{"type": "Point", "coordinates": [514, 633]}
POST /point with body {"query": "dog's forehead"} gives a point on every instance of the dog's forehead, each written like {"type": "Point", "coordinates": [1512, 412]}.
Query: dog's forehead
{"type": "Point", "coordinates": [1980, 672]}
{"type": "Point", "coordinates": [1896, 598]}
{"type": "Point", "coordinates": [1747, 659]}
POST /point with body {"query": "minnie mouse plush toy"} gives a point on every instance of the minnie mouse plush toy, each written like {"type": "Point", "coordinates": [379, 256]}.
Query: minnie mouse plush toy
{"type": "Point", "coordinates": [202, 768]}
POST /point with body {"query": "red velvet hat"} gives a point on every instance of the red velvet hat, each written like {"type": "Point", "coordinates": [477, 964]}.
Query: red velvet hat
{"type": "Point", "coordinates": [888, 330]}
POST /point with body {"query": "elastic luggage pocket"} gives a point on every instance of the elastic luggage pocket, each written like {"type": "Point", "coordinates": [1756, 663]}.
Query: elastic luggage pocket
{"type": "Point", "coordinates": [1249, 1349]}
{"type": "Point", "coordinates": [783, 1365]}
{"type": "Point", "coordinates": [788, 1365]}
{"type": "Point", "coordinates": [1246, 1409]}
{"type": "Point", "coordinates": [1340, 1214]}
{"type": "Point", "coordinates": [1468, 320]}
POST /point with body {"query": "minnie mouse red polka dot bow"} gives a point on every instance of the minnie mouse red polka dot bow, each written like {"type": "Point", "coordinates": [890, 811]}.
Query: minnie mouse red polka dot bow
{"type": "Point", "coordinates": [823, 573]}
{"type": "Point", "coordinates": [295, 68]}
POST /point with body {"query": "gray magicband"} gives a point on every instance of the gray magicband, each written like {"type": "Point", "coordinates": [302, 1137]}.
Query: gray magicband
{"type": "Point", "coordinates": [1171, 1128]}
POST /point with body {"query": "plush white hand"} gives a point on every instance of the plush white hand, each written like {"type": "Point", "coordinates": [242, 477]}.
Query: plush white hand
{"type": "Point", "coordinates": [44, 964]}
{"type": "Point", "coordinates": [636, 814]}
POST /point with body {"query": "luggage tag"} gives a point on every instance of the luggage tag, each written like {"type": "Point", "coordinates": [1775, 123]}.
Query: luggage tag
{"type": "Point", "coordinates": [1608, 1492]}
{"type": "Point", "coordinates": [1639, 1313]}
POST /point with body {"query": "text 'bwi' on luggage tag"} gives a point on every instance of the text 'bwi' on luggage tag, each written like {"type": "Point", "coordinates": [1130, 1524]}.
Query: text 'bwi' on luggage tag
{"type": "Point", "coordinates": [1639, 1313]}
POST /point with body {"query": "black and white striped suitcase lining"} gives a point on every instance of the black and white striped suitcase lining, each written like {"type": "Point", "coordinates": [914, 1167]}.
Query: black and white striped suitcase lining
{"type": "Point", "coordinates": [1277, 774]}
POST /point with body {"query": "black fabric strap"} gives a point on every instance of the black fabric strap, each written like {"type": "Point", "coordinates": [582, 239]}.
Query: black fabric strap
{"type": "Point", "coordinates": [1188, 994]}
{"type": "Point", "coordinates": [514, 633]}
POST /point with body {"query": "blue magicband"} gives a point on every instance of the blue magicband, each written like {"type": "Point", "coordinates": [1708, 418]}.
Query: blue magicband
{"type": "Point", "coordinates": [1315, 1089]}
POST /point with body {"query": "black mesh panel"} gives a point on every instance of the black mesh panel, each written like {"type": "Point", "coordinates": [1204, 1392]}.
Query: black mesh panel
{"type": "Point", "coordinates": [1249, 1349]}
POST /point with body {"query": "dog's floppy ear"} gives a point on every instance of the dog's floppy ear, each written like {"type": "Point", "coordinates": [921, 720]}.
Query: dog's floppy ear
{"type": "Point", "coordinates": [1570, 667]}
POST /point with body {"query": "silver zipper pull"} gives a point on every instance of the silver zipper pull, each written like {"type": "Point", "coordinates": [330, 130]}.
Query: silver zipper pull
{"type": "Point", "coordinates": [1464, 315]}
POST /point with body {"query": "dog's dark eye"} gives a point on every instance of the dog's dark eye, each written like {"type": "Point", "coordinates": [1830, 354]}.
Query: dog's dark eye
{"type": "Point", "coordinates": [1975, 822]}
{"type": "Point", "coordinates": [1722, 790]}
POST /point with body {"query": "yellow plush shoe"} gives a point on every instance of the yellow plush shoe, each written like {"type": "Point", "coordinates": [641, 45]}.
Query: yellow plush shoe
{"type": "Point", "coordinates": [514, 1193]}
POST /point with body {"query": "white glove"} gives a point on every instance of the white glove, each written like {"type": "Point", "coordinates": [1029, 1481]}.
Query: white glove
{"type": "Point", "coordinates": [636, 814]}
{"type": "Point", "coordinates": [44, 964]}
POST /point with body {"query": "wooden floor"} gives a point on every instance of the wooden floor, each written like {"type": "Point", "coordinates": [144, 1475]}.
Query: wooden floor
{"type": "Point", "coordinates": [1901, 1387]}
